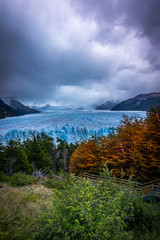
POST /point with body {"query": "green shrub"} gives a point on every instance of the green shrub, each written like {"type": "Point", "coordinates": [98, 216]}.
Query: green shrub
{"type": "Point", "coordinates": [50, 183]}
{"type": "Point", "coordinates": [81, 210]}
{"type": "Point", "coordinates": [3, 177]}
{"type": "Point", "coordinates": [86, 211]}
{"type": "Point", "coordinates": [20, 179]}
{"type": "Point", "coordinates": [146, 222]}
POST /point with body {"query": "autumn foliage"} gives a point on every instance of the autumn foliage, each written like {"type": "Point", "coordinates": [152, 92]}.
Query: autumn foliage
{"type": "Point", "coordinates": [86, 157]}
{"type": "Point", "coordinates": [135, 148]}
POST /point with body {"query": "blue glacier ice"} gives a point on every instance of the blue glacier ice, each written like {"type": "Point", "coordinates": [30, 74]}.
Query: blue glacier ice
{"type": "Point", "coordinates": [68, 125]}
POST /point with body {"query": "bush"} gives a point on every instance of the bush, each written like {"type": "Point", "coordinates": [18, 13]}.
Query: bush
{"type": "Point", "coordinates": [20, 179]}
{"type": "Point", "coordinates": [50, 183]}
{"type": "Point", "coordinates": [58, 182]}
{"type": "Point", "coordinates": [3, 177]}
{"type": "Point", "coordinates": [86, 211]}
{"type": "Point", "coordinates": [146, 222]}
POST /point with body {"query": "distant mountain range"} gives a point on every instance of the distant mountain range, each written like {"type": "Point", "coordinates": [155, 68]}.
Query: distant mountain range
{"type": "Point", "coordinates": [141, 102]}
{"type": "Point", "coordinates": [49, 107]}
{"type": "Point", "coordinates": [10, 107]}
{"type": "Point", "coordinates": [106, 106]}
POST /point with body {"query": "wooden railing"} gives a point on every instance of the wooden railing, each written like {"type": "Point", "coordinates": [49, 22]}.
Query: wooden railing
{"type": "Point", "coordinates": [147, 190]}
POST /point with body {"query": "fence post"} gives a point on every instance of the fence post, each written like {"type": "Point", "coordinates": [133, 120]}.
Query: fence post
{"type": "Point", "coordinates": [152, 194]}
{"type": "Point", "coordinates": [142, 190]}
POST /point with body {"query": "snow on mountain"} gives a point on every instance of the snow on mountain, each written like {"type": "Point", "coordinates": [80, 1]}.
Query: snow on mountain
{"type": "Point", "coordinates": [68, 125]}
{"type": "Point", "coordinates": [7, 101]}
{"type": "Point", "coordinates": [6, 111]}
{"type": "Point", "coordinates": [18, 107]}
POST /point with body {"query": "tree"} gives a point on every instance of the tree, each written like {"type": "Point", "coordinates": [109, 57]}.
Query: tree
{"type": "Point", "coordinates": [151, 140]}
{"type": "Point", "coordinates": [86, 157]}
{"type": "Point", "coordinates": [135, 148]}
{"type": "Point", "coordinates": [125, 145]}
{"type": "Point", "coordinates": [39, 151]}
{"type": "Point", "coordinates": [2, 160]}
{"type": "Point", "coordinates": [15, 158]}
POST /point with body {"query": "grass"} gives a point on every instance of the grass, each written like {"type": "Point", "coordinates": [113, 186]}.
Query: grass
{"type": "Point", "coordinates": [21, 210]}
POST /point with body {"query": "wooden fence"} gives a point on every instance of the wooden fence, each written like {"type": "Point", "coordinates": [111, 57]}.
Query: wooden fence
{"type": "Point", "coordinates": [149, 190]}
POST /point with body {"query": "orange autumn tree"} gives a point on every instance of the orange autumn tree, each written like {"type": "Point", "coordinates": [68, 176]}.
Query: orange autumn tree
{"type": "Point", "coordinates": [124, 153]}
{"type": "Point", "coordinates": [86, 157]}
{"type": "Point", "coordinates": [135, 148]}
{"type": "Point", "coordinates": [151, 144]}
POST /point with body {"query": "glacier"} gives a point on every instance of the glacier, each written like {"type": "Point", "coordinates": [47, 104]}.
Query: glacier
{"type": "Point", "coordinates": [69, 125]}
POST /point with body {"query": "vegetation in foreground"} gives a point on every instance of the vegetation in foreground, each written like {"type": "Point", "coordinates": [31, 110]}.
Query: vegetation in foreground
{"type": "Point", "coordinates": [75, 209]}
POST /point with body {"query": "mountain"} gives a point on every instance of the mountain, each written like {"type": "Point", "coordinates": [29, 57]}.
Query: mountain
{"type": "Point", "coordinates": [105, 106]}
{"type": "Point", "coordinates": [46, 106]}
{"type": "Point", "coordinates": [6, 111]}
{"type": "Point", "coordinates": [50, 108]}
{"type": "Point", "coordinates": [10, 107]}
{"type": "Point", "coordinates": [141, 102]}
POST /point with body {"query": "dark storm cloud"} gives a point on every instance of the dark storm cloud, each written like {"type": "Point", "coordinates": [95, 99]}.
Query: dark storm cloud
{"type": "Point", "coordinates": [30, 69]}
{"type": "Point", "coordinates": [141, 15]}
{"type": "Point", "coordinates": [20, 57]}
{"type": "Point", "coordinates": [144, 16]}
{"type": "Point", "coordinates": [86, 50]}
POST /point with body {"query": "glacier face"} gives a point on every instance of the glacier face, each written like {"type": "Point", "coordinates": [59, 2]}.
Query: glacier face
{"type": "Point", "coordinates": [69, 125]}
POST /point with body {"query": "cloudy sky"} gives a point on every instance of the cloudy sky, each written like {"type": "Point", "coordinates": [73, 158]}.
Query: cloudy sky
{"type": "Point", "coordinates": [79, 52]}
